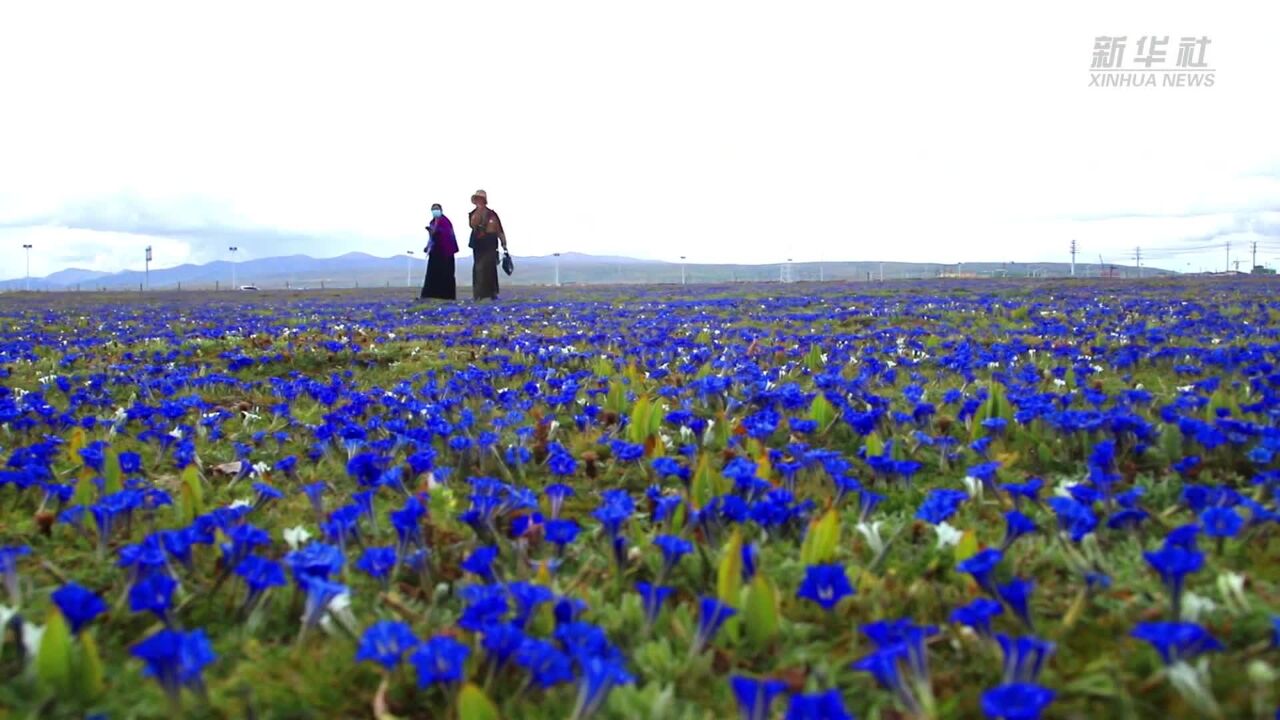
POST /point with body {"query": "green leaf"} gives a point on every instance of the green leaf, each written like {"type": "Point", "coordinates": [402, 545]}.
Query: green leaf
{"type": "Point", "coordinates": [874, 445]}
{"type": "Point", "coordinates": [820, 542]}
{"type": "Point", "coordinates": [111, 472]}
{"type": "Point", "coordinates": [702, 487]}
{"type": "Point", "coordinates": [53, 660]}
{"type": "Point", "coordinates": [88, 667]}
{"type": "Point", "coordinates": [638, 427]}
{"type": "Point", "coordinates": [813, 361]}
{"type": "Point", "coordinates": [473, 704]}
{"type": "Point", "coordinates": [760, 611]}
{"type": "Point", "coordinates": [967, 547]}
{"type": "Point", "coordinates": [191, 486]}
{"type": "Point", "coordinates": [729, 574]}
{"type": "Point", "coordinates": [822, 411]}
{"type": "Point", "coordinates": [86, 492]}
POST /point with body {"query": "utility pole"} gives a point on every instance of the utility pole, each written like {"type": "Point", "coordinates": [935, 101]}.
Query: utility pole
{"type": "Point", "coordinates": [147, 273]}
{"type": "Point", "coordinates": [557, 255]}
{"type": "Point", "coordinates": [1137, 256]}
{"type": "Point", "coordinates": [233, 250]}
{"type": "Point", "coordinates": [682, 276]}
{"type": "Point", "coordinates": [408, 269]}
{"type": "Point", "coordinates": [27, 247]}
{"type": "Point", "coordinates": [881, 272]}
{"type": "Point", "coordinates": [1255, 255]}
{"type": "Point", "coordinates": [1228, 256]}
{"type": "Point", "coordinates": [1073, 257]}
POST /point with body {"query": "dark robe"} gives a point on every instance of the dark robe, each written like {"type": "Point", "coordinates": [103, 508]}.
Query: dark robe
{"type": "Point", "coordinates": [440, 282]}
{"type": "Point", "coordinates": [484, 268]}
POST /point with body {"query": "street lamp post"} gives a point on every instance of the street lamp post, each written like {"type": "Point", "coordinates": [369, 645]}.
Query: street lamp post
{"type": "Point", "coordinates": [233, 250]}
{"type": "Point", "coordinates": [682, 276]}
{"type": "Point", "coordinates": [557, 256]}
{"type": "Point", "coordinates": [147, 272]}
{"type": "Point", "coordinates": [408, 269]}
{"type": "Point", "coordinates": [27, 247]}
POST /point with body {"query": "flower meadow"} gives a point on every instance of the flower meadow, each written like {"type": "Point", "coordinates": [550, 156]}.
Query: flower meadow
{"type": "Point", "coordinates": [917, 500]}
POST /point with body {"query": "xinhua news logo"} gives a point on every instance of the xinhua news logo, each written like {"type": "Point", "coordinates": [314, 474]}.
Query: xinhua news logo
{"type": "Point", "coordinates": [1153, 62]}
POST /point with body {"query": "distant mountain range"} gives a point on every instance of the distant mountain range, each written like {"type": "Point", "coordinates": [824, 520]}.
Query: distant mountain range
{"type": "Point", "coordinates": [364, 270]}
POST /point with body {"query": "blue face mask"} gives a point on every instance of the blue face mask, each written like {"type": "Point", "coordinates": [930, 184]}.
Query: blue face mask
{"type": "Point", "coordinates": [437, 213]}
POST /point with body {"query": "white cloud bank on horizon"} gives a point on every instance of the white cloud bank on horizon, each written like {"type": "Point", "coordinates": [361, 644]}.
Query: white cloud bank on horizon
{"type": "Point", "coordinates": [743, 131]}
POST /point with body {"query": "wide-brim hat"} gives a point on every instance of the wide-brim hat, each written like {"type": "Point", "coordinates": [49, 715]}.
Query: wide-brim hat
{"type": "Point", "coordinates": [480, 194]}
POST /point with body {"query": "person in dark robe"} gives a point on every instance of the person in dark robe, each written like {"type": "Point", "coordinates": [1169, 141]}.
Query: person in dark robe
{"type": "Point", "coordinates": [486, 235]}
{"type": "Point", "coordinates": [441, 247]}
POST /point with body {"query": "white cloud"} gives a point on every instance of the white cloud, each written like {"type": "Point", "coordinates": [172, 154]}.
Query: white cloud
{"type": "Point", "coordinates": [722, 131]}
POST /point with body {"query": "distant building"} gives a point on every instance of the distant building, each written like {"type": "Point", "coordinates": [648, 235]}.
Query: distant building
{"type": "Point", "coordinates": [1263, 270]}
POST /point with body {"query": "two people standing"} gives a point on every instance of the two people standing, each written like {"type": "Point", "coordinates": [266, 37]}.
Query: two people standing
{"type": "Point", "coordinates": [486, 236]}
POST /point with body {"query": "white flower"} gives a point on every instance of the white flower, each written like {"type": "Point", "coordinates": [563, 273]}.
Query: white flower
{"type": "Point", "coordinates": [1059, 382]}
{"type": "Point", "coordinates": [1063, 488]}
{"type": "Point", "coordinates": [947, 535]}
{"type": "Point", "coordinates": [1231, 586]}
{"type": "Point", "coordinates": [260, 467]}
{"type": "Point", "coordinates": [176, 433]}
{"type": "Point", "coordinates": [32, 634]}
{"type": "Point", "coordinates": [974, 486]}
{"type": "Point", "coordinates": [1194, 606]}
{"type": "Point", "coordinates": [296, 536]}
{"type": "Point", "coordinates": [240, 503]}
{"type": "Point", "coordinates": [871, 531]}
{"type": "Point", "coordinates": [339, 606]}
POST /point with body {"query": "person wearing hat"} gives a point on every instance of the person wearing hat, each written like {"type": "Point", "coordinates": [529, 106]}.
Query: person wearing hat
{"type": "Point", "coordinates": [486, 235]}
{"type": "Point", "coordinates": [441, 247]}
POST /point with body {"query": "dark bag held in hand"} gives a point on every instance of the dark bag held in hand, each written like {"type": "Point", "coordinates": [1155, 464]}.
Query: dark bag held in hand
{"type": "Point", "coordinates": [508, 267]}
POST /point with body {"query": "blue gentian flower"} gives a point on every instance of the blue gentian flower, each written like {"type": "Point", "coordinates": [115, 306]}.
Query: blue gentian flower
{"type": "Point", "coordinates": [260, 574]}
{"type": "Point", "coordinates": [1176, 641]}
{"type": "Point", "coordinates": [982, 567]}
{"type": "Point", "coordinates": [561, 533]}
{"type": "Point", "coordinates": [940, 504]}
{"type": "Point", "coordinates": [978, 614]}
{"type": "Point", "coordinates": [1015, 526]}
{"type": "Point", "coordinates": [828, 705]}
{"type": "Point", "coordinates": [1221, 522]}
{"type": "Point", "coordinates": [1016, 701]}
{"type": "Point", "coordinates": [480, 562]}
{"type": "Point", "coordinates": [9, 570]}
{"type": "Point", "coordinates": [407, 522]}
{"type": "Point", "coordinates": [547, 666]}
{"type": "Point", "coordinates": [441, 659]}
{"type": "Point", "coordinates": [378, 562]}
{"type": "Point", "coordinates": [1174, 563]}
{"type": "Point", "coordinates": [755, 695]}
{"type": "Point", "coordinates": [501, 641]}
{"type": "Point", "coordinates": [1017, 593]}
{"type": "Point", "coordinates": [528, 597]}
{"type": "Point", "coordinates": [600, 674]}
{"type": "Point", "coordinates": [78, 605]}
{"type": "Point", "coordinates": [320, 593]}
{"type": "Point", "coordinates": [673, 548]}
{"type": "Point", "coordinates": [556, 493]}
{"type": "Point", "coordinates": [1024, 657]}
{"type": "Point", "coordinates": [886, 665]}
{"type": "Point", "coordinates": [712, 615]}
{"type": "Point", "coordinates": [385, 643]}
{"type": "Point", "coordinates": [315, 560]}
{"type": "Point", "coordinates": [176, 659]}
{"type": "Point", "coordinates": [652, 597]}
{"type": "Point", "coordinates": [153, 594]}
{"type": "Point", "coordinates": [485, 605]}
{"type": "Point", "coordinates": [825, 585]}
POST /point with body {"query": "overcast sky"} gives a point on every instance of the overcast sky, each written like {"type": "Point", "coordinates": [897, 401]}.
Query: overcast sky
{"type": "Point", "coordinates": [724, 131]}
